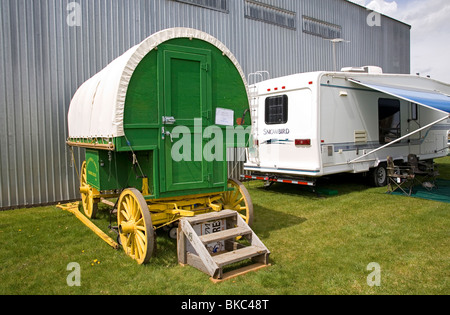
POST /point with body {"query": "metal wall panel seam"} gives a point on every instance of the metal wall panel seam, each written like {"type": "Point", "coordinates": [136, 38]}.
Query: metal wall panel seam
{"type": "Point", "coordinates": [4, 154]}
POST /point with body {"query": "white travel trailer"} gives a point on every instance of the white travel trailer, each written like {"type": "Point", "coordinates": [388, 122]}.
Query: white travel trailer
{"type": "Point", "coordinates": [309, 125]}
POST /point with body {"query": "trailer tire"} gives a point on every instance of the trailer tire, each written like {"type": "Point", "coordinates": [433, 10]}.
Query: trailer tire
{"type": "Point", "coordinates": [378, 176]}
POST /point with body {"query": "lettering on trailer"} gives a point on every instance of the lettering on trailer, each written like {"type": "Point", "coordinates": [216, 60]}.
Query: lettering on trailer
{"type": "Point", "coordinates": [282, 131]}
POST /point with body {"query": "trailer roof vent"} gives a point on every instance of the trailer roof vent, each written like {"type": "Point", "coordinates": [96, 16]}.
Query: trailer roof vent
{"type": "Point", "coordinates": [366, 69]}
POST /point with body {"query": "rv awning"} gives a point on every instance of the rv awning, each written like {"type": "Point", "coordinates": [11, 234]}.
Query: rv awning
{"type": "Point", "coordinates": [431, 99]}
{"type": "Point", "coordinates": [427, 98]}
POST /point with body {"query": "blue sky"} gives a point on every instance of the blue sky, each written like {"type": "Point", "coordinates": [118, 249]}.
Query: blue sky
{"type": "Point", "coordinates": [430, 33]}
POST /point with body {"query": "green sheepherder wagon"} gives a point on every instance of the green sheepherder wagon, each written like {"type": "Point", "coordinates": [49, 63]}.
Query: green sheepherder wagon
{"type": "Point", "coordinates": [147, 122]}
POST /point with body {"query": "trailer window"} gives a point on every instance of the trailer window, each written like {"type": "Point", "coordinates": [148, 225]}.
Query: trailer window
{"type": "Point", "coordinates": [277, 110]}
{"type": "Point", "coordinates": [389, 120]}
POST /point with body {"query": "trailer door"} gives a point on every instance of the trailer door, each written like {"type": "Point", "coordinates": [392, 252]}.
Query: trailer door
{"type": "Point", "coordinates": [186, 96]}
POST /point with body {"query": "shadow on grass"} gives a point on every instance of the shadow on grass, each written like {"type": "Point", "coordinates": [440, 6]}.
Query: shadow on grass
{"type": "Point", "coordinates": [339, 184]}
{"type": "Point", "coordinates": [166, 252]}
{"type": "Point", "coordinates": [269, 221]}
{"type": "Point", "coordinates": [326, 187]}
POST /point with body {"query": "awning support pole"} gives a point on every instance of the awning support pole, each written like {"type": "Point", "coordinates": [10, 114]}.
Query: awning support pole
{"type": "Point", "coordinates": [399, 139]}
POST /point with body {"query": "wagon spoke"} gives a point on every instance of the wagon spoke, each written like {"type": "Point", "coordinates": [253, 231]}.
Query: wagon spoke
{"type": "Point", "coordinates": [235, 195]}
{"type": "Point", "coordinates": [140, 222]}
{"type": "Point", "coordinates": [133, 245]}
{"type": "Point", "coordinates": [125, 215]}
{"type": "Point", "coordinates": [239, 202]}
{"type": "Point", "coordinates": [141, 228]}
{"type": "Point", "coordinates": [137, 247]}
{"type": "Point", "coordinates": [140, 241]}
{"type": "Point", "coordinates": [141, 235]}
{"type": "Point", "coordinates": [130, 207]}
{"type": "Point", "coordinates": [243, 216]}
{"type": "Point", "coordinates": [127, 208]}
{"type": "Point", "coordinates": [128, 243]}
{"type": "Point", "coordinates": [135, 209]}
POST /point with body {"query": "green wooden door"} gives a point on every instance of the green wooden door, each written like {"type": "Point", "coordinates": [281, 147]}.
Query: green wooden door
{"type": "Point", "coordinates": [187, 108]}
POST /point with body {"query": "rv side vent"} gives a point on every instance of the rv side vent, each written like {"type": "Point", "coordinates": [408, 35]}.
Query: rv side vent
{"type": "Point", "coordinates": [360, 136]}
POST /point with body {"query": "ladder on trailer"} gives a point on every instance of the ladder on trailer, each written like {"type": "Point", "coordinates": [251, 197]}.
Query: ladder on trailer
{"type": "Point", "coordinates": [254, 104]}
{"type": "Point", "coordinates": [212, 252]}
{"type": "Point", "coordinates": [254, 152]}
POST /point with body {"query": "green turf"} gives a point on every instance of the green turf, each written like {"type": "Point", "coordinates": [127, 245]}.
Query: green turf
{"type": "Point", "coordinates": [440, 192]}
{"type": "Point", "coordinates": [320, 244]}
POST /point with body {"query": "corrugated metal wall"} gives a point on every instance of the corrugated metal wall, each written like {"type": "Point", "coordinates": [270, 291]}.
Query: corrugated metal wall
{"type": "Point", "coordinates": [43, 60]}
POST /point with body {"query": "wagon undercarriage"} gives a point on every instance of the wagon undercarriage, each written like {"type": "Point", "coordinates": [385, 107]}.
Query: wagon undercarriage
{"type": "Point", "coordinates": [138, 219]}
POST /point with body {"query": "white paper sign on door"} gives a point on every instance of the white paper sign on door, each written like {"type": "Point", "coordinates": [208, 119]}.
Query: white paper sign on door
{"type": "Point", "coordinates": [224, 117]}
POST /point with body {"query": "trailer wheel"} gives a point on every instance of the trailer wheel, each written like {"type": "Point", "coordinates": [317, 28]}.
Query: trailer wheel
{"type": "Point", "coordinates": [135, 226]}
{"type": "Point", "coordinates": [379, 175]}
{"type": "Point", "coordinates": [239, 200]}
{"type": "Point", "coordinates": [90, 206]}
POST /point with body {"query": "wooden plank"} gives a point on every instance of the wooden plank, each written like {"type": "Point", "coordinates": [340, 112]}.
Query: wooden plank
{"type": "Point", "coordinates": [107, 202]}
{"type": "Point", "coordinates": [225, 235]}
{"type": "Point", "coordinates": [238, 255]}
{"type": "Point", "coordinates": [181, 246]}
{"type": "Point", "coordinates": [195, 261]}
{"type": "Point", "coordinates": [239, 272]}
{"type": "Point", "coordinates": [213, 216]}
{"type": "Point", "coordinates": [201, 250]}
{"type": "Point", "coordinates": [255, 239]}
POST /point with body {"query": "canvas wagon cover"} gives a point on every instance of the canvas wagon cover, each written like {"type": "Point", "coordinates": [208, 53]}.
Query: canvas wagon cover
{"type": "Point", "coordinates": [97, 108]}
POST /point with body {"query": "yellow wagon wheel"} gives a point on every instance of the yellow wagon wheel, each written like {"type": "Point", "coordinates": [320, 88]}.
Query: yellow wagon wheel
{"type": "Point", "coordinates": [90, 206]}
{"type": "Point", "coordinates": [239, 200]}
{"type": "Point", "coordinates": [135, 226]}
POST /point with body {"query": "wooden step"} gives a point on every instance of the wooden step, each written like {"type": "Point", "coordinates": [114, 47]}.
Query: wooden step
{"type": "Point", "coordinates": [238, 255]}
{"type": "Point", "coordinates": [213, 216]}
{"type": "Point", "coordinates": [192, 250]}
{"type": "Point", "coordinates": [239, 272]}
{"type": "Point", "coordinates": [225, 235]}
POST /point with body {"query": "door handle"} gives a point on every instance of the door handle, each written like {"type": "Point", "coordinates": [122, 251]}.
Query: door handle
{"type": "Point", "coordinates": [168, 133]}
{"type": "Point", "coordinates": [168, 120]}
{"type": "Point", "coordinates": [165, 133]}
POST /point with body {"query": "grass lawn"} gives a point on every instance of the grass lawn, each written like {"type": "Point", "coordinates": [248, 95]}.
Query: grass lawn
{"type": "Point", "coordinates": [319, 245]}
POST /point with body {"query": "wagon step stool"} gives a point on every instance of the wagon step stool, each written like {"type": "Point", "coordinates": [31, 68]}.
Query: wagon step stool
{"type": "Point", "coordinates": [211, 250]}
